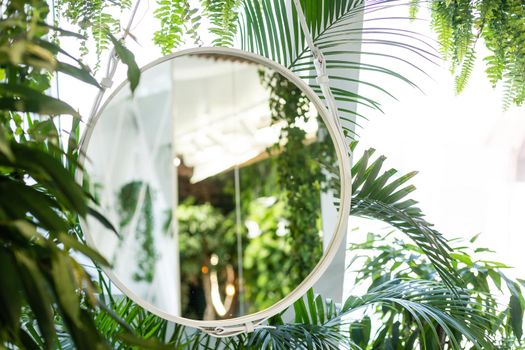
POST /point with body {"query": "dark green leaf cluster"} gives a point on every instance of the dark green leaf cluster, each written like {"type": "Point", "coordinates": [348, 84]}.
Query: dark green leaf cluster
{"type": "Point", "coordinates": [299, 171]}
{"type": "Point", "coordinates": [39, 198]}
{"type": "Point", "coordinates": [40, 202]}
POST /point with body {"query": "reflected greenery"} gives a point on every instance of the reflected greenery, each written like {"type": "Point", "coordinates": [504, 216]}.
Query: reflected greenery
{"type": "Point", "coordinates": [280, 215]}
{"type": "Point", "coordinates": [143, 227]}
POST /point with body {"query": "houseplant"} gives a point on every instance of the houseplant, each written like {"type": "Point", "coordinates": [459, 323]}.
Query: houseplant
{"type": "Point", "coordinates": [48, 188]}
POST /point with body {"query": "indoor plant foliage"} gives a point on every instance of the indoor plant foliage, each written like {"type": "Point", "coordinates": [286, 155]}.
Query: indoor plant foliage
{"type": "Point", "coordinates": [44, 287]}
{"type": "Point", "coordinates": [388, 257]}
{"type": "Point", "coordinates": [40, 200]}
{"type": "Point", "coordinates": [461, 24]}
{"type": "Point", "coordinates": [51, 302]}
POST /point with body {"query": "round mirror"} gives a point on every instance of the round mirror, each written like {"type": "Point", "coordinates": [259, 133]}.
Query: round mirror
{"type": "Point", "coordinates": [227, 185]}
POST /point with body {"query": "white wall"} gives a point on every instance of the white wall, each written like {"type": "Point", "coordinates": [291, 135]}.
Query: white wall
{"type": "Point", "coordinates": [464, 147]}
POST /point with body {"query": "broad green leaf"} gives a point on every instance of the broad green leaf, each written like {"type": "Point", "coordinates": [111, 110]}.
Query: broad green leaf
{"type": "Point", "coordinates": [24, 99]}
{"type": "Point", "coordinates": [516, 316]}
{"type": "Point", "coordinates": [10, 296]}
{"type": "Point", "coordinates": [50, 173]}
{"type": "Point", "coordinates": [73, 243]}
{"type": "Point", "coordinates": [29, 201]}
{"type": "Point", "coordinates": [79, 73]}
{"type": "Point", "coordinates": [4, 145]}
{"type": "Point", "coordinates": [62, 31]}
{"type": "Point", "coordinates": [102, 219]}
{"type": "Point", "coordinates": [66, 286]}
{"type": "Point", "coordinates": [38, 296]}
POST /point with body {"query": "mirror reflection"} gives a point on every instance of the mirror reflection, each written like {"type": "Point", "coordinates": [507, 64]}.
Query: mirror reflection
{"type": "Point", "coordinates": [217, 175]}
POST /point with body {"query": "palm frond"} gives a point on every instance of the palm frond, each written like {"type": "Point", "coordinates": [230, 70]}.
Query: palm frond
{"type": "Point", "coordinates": [431, 304]}
{"type": "Point", "coordinates": [378, 194]}
{"type": "Point", "coordinates": [438, 313]}
{"type": "Point", "coordinates": [272, 29]}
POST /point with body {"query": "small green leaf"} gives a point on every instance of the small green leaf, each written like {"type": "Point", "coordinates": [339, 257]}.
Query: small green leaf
{"type": "Point", "coordinates": [464, 258]}
{"type": "Point", "coordinates": [129, 59]}
{"type": "Point", "coordinates": [516, 316]}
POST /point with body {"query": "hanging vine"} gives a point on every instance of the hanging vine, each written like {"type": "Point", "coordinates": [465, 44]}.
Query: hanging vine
{"type": "Point", "coordinates": [223, 16]}
{"type": "Point", "coordinates": [460, 24]}
{"type": "Point", "coordinates": [95, 20]}
{"type": "Point", "coordinates": [147, 255]}
{"type": "Point", "coordinates": [177, 19]}
{"type": "Point", "coordinates": [300, 172]}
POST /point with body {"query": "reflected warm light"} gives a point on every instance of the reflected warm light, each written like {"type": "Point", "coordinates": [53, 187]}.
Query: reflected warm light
{"type": "Point", "coordinates": [204, 269]}
{"type": "Point", "coordinates": [214, 259]}
{"type": "Point", "coordinates": [216, 295]}
{"type": "Point", "coordinates": [230, 289]}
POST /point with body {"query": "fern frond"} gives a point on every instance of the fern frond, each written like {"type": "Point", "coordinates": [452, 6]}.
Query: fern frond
{"type": "Point", "coordinates": [501, 25]}
{"type": "Point", "coordinates": [443, 28]}
{"type": "Point", "coordinates": [466, 70]}
{"type": "Point", "coordinates": [94, 20]}
{"type": "Point", "coordinates": [413, 9]}
{"type": "Point", "coordinates": [223, 15]}
{"type": "Point", "coordinates": [494, 68]}
{"type": "Point", "coordinates": [176, 19]}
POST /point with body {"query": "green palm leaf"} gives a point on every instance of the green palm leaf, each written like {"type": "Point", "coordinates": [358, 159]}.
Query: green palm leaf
{"type": "Point", "coordinates": [271, 28]}
{"type": "Point", "coordinates": [431, 305]}
{"type": "Point", "coordinates": [381, 195]}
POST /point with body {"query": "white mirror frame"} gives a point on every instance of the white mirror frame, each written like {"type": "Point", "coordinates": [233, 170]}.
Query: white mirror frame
{"type": "Point", "coordinates": [252, 321]}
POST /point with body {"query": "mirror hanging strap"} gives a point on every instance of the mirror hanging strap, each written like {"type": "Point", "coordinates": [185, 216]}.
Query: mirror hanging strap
{"type": "Point", "coordinates": [111, 67]}
{"type": "Point", "coordinates": [222, 332]}
{"type": "Point", "coordinates": [320, 65]}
